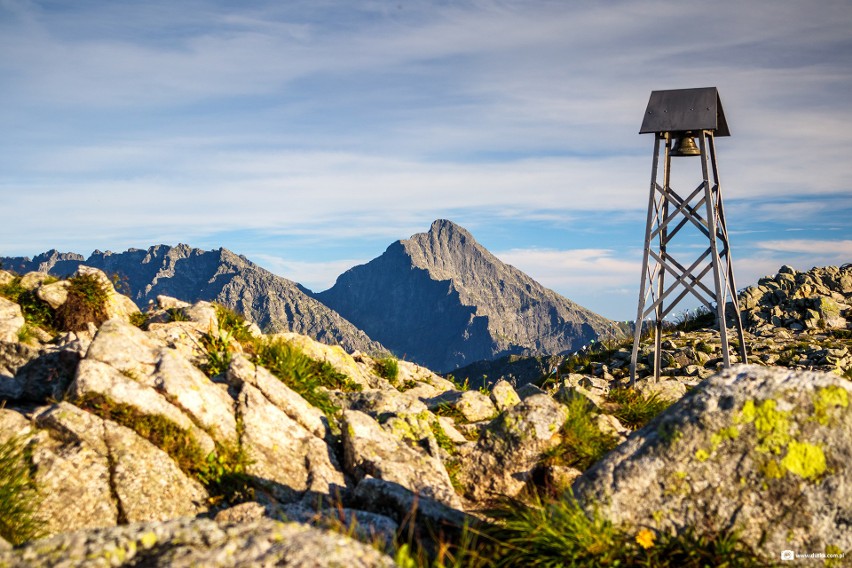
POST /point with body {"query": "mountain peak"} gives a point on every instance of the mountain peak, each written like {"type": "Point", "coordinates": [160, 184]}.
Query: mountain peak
{"type": "Point", "coordinates": [445, 226]}
{"type": "Point", "coordinates": [441, 248]}
{"type": "Point", "coordinates": [444, 300]}
{"type": "Point", "coordinates": [444, 230]}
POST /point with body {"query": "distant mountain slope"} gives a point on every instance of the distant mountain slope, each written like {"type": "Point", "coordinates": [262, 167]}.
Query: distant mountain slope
{"type": "Point", "coordinates": [190, 274]}
{"type": "Point", "coordinates": [442, 300]}
{"type": "Point", "coordinates": [53, 261]}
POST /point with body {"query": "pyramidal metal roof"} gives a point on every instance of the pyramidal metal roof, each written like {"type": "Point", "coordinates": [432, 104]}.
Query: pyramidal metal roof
{"type": "Point", "coordinates": [682, 110]}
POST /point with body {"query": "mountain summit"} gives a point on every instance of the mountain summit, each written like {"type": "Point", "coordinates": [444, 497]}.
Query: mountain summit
{"type": "Point", "coordinates": [442, 300]}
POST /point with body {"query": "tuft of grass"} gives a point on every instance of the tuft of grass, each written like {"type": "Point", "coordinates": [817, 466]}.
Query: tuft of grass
{"type": "Point", "coordinates": [468, 547]}
{"type": "Point", "coordinates": [705, 348]}
{"type": "Point", "coordinates": [235, 324]}
{"type": "Point", "coordinates": [220, 350]}
{"type": "Point", "coordinates": [840, 333]}
{"type": "Point", "coordinates": [225, 477]}
{"type": "Point", "coordinates": [19, 499]}
{"type": "Point", "coordinates": [452, 462]}
{"type": "Point", "coordinates": [35, 311]}
{"type": "Point", "coordinates": [176, 314]}
{"type": "Point", "coordinates": [450, 411]}
{"type": "Point", "coordinates": [178, 442]}
{"type": "Point", "coordinates": [388, 368]}
{"type": "Point", "coordinates": [304, 375]}
{"type": "Point", "coordinates": [223, 472]}
{"type": "Point", "coordinates": [444, 442]}
{"type": "Point", "coordinates": [558, 532]}
{"type": "Point", "coordinates": [26, 334]}
{"type": "Point", "coordinates": [139, 319]}
{"type": "Point", "coordinates": [233, 328]}
{"type": "Point", "coordinates": [633, 408]}
{"type": "Point", "coordinates": [699, 318]}
{"type": "Point", "coordinates": [460, 386]}
{"type": "Point", "coordinates": [582, 442]}
{"type": "Point", "coordinates": [552, 533]}
{"type": "Point", "coordinates": [87, 302]}
{"type": "Point", "coordinates": [694, 549]}
{"type": "Point", "coordinates": [12, 290]}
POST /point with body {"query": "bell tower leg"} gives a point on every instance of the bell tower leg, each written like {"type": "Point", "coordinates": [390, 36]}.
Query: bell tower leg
{"type": "Point", "coordinates": [713, 233]}
{"type": "Point", "coordinates": [647, 279]}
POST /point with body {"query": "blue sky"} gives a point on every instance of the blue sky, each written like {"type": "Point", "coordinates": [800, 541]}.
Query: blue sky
{"type": "Point", "coordinates": [309, 135]}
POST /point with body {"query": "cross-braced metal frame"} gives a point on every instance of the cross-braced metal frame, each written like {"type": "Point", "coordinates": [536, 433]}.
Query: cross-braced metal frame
{"type": "Point", "coordinates": [668, 213]}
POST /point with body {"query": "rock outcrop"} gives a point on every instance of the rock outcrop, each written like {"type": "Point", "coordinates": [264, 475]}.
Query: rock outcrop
{"type": "Point", "coordinates": [510, 447]}
{"type": "Point", "coordinates": [371, 451]}
{"type": "Point", "coordinates": [122, 425]}
{"type": "Point", "coordinates": [443, 301]}
{"type": "Point", "coordinates": [818, 299]}
{"type": "Point", "coordinates": [11, 320]}
{"type": "Point", "coordinates": [133, 479]}
{"type": "Point", "coordinates": [764, 452]}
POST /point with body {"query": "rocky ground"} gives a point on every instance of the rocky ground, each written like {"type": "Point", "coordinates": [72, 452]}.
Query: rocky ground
{"type": "Point", "coordinates": [798, 320]}
{"type": "Point", "coordinates": [173, 438]}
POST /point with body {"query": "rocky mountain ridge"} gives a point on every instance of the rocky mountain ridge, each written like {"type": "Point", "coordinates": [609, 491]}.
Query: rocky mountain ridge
{"type": "Point", "coordinates": [438, 299]}
{"type": "Point", "coordinates": [445, 301]}
{"type": "Point", "coordinates": [274, 303]}
{"type": "Point", "coordinates": [99, 409]}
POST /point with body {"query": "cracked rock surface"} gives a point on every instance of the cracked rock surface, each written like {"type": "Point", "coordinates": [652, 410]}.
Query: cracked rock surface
{"type": "Point", "coordinates": [199, 542]}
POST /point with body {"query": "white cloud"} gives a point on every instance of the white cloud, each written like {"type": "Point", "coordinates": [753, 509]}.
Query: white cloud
{"type": "Point", "coordinates": [300, 189]}
{"type": "Point", "coordinates": [316, 276]}
{"type": "Point", "coordinates": [839, 249]}
{"type": "Point", "coordinates": [166, 122]}
{"type": "Point", "coordinates": [601, 279]}
{"type": "Point", "coordinates": [765, 258]}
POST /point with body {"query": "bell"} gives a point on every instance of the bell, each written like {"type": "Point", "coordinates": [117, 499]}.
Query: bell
{"type": "Point", "coordinates": [685, 146]}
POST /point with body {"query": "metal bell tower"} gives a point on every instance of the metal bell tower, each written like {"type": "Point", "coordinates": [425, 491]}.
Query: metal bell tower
{"type": "Point", "coordinates": [677, 118]}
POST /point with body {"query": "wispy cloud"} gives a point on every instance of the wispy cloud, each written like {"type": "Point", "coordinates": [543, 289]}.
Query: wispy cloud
{"type": "Point", "coordinates": [585, 276]}
{"type": "Point", "coordinates": [840, 249]}
{"type": "Point", "coordinates": [137, 123]}
{"type": "Point", "coordinates": [316, 276]}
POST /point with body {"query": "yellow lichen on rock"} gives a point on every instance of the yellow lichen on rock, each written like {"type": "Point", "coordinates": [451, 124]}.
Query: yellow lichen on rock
{"type": "Point", "coordinates": [804, 459]}
{"type": "Point", "coordinates": [772, 425]}
{"type": "Point", "coordinates": [827, 399]}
